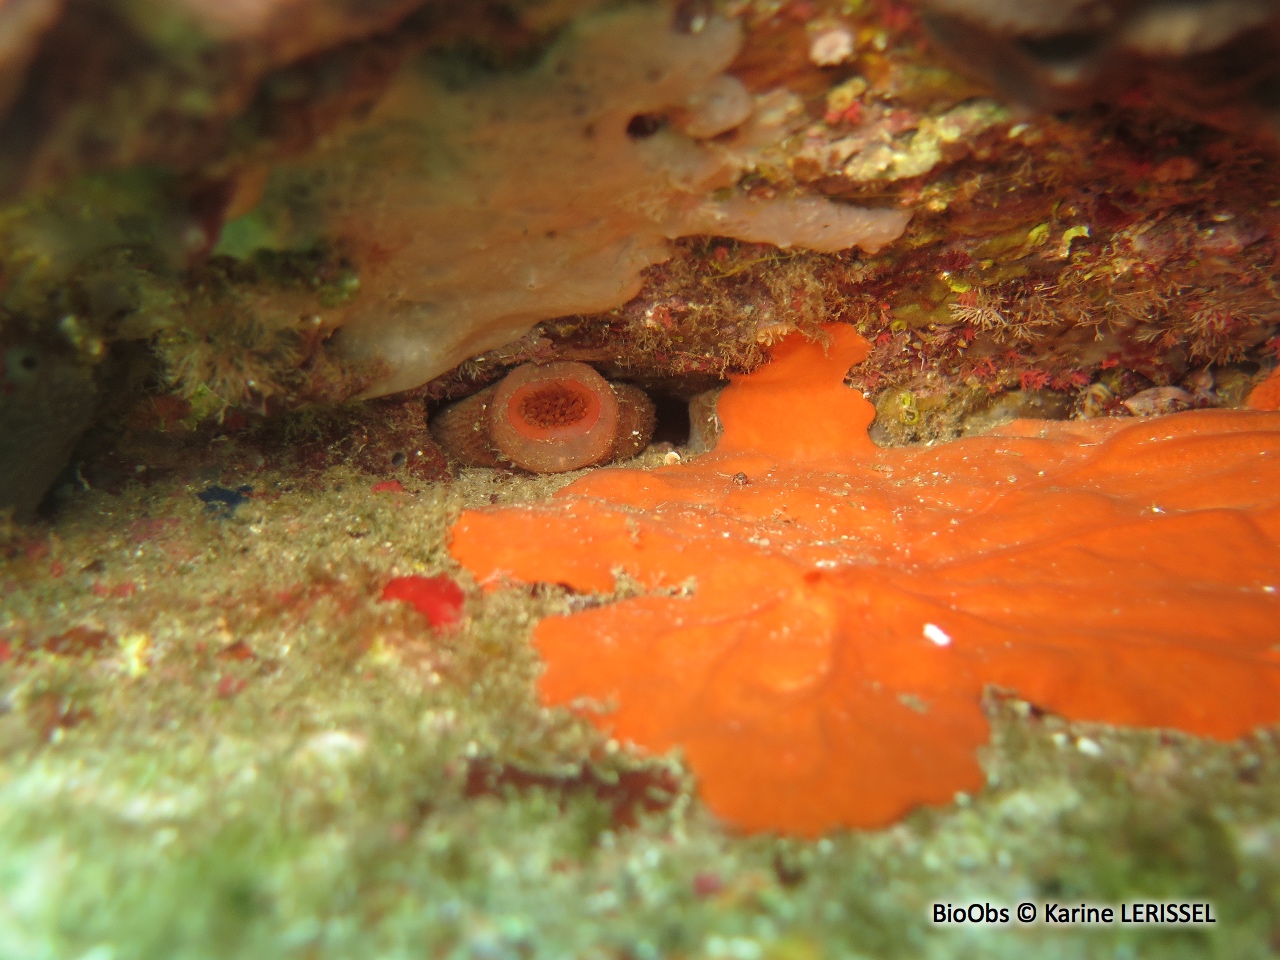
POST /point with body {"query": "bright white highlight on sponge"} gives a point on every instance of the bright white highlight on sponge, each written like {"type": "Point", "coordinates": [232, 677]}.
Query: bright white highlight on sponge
{"type": "Point", "coordinates": [935, 634]}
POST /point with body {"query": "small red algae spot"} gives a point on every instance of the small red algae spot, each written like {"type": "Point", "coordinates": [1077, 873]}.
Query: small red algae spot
{"type": "Point", "coordinates": [1115, 571]}
{"type": "Point", "coordinates": [707, 884]}
{"type": "Point", "coordinates": [6, 651]}
{"type": "Point", "coordinates": [163, 413]}
{"type": "Point", "coordinates": [627, 793]}
{"type": "Point", "coordinates": [238, 651]}
{"type": "Point", "coordinates": [144, 530]}
{"type": "Point", "coordinates": [56, 569]}
{"type": "Point", "coordinates": [439, 599]}
{"type": "Point", "coordinates": [120, 591]}
{"type": "Point", "coordinates": [77, 642]}
{"type": "Point", "coordinates": [234, 421]}
{"type": "Point", "coordinates": [851, 115]}
{"type": "Point", "coordinates": [50, 712]}
{"type": "Point", "coordinates": [229, 686]}
{"type": "Point", "coordinates": [388, 486]}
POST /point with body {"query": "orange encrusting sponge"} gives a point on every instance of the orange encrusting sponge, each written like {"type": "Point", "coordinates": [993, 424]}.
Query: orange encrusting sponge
{"type": "Point", "coordinates": [1266, 395]}
{"type": "Point", "coordinates": [848, 604]}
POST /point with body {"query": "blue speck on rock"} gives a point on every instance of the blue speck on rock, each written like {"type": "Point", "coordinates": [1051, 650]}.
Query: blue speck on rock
{"type": "Point", "coordinates": [223, 500]}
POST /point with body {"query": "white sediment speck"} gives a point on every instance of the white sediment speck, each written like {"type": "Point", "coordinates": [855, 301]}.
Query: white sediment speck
{"type": "Point", "coordinates": [334, 746]}
{"type": "Point", "coordinates": [935, 634]}
{"type": "Point", "coordinates": [1090, 748]}
{"type": "Point", "coordinates": [831, 47]}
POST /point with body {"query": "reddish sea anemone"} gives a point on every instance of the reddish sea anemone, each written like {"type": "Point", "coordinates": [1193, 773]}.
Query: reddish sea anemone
{"type": "Point", "coordinates": [547, 418]}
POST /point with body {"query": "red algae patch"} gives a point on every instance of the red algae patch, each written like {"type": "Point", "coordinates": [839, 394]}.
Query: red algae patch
{"type": "Point", "coordinates": [439, 599]}
{"type": "Point", "coordinates": [826, 614]}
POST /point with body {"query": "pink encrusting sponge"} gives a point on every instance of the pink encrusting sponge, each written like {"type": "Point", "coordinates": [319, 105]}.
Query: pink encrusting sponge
{"type": "Point", "coordinates": [547, 418]}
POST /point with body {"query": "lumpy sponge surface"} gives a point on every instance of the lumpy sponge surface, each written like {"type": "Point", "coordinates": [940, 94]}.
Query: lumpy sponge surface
{"type": "Point", "coordinates": [474, 211]}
